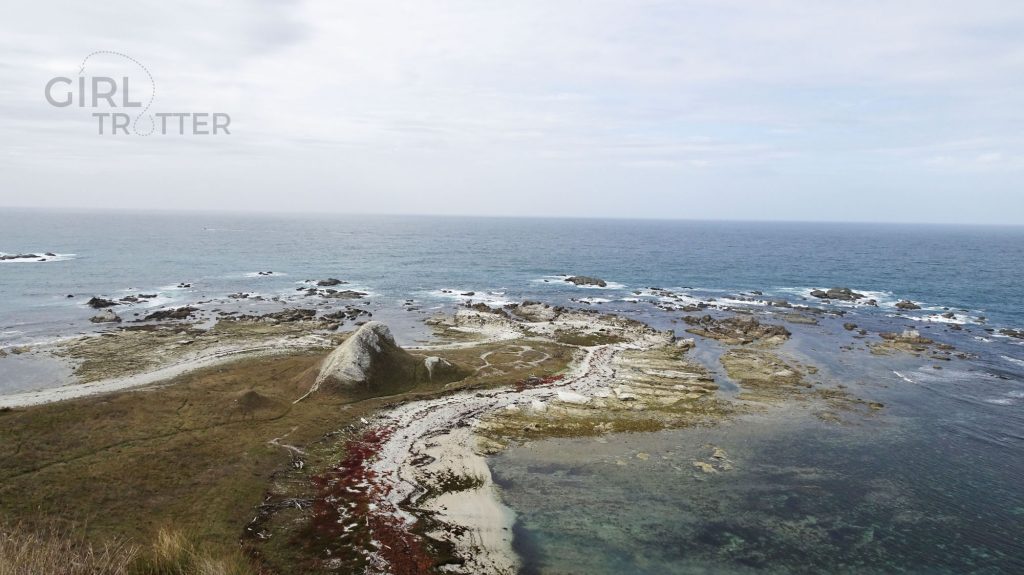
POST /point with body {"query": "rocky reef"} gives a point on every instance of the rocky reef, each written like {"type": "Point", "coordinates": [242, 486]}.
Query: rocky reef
{"type": "Point", "coordinates": [737, 330]}
{"type": "Point", "coordinates": [586, 281]}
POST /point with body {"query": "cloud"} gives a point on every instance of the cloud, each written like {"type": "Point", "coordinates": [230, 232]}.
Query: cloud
{"type": "Point", "coordinates": [457, 105]}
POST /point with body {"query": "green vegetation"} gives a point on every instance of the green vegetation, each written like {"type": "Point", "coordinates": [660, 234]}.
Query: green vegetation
{"type": "Point", "coordinates": [207, 451]}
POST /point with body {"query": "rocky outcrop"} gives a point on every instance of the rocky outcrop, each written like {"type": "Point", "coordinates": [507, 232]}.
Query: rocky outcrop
{"type": "Point", "coordinates": [440, 369]}
{"type": "Point", "coordinates": [19, 257]}
{"type": "Point", "coordinates": [100, 303]}
{"type": "Point", "coordinates": [330, 293]}
{"type": "Point", "coordinates": [535, 311]}
{"type": "Point", "coordinates": [107, 316]}
{"type": "Point", "coordinates": [330, 282]}
{"type": "Point", "coordinates": [907, 305]}
{"type": "Point", "coordinates": [165, 314]}
{"type": "Point", "coordinates": [838, 293]}
{"type": "Point", "coordinates": [370, 363]}
{"type": "Point", "coordinates": [736, 330]}
{"type": "Point", "coordinates": [907, 336]}
{"type": "Point", "coordinates": [586, 281]}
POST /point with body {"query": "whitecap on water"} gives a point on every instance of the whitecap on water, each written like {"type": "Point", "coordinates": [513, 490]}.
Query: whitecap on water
{"type": "Point", "coordinates": [594, 300]}
{"type": "Point", "coordinates": [42, 259]}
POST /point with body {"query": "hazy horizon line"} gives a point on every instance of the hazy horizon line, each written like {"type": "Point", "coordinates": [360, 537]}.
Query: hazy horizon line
{"type": "Point", "coordinates": [329, 213]}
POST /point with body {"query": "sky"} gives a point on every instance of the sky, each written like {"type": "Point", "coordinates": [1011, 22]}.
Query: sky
{"type": "Point", "coordinates": [876, 110]}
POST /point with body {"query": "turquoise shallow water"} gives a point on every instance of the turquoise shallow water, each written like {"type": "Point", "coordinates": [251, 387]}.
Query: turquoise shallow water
{"type": "Point", "coordinates": [931, 485]}
{"type": "Point", "coordinates": [802, 497]}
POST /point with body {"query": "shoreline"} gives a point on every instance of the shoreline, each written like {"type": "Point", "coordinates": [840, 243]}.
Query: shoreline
{"type": "Point", "coordinates": [200, 360]}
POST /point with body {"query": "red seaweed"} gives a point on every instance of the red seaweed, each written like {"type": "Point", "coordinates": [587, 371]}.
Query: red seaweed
{"type": "Point", "coordinates": [351, 511]}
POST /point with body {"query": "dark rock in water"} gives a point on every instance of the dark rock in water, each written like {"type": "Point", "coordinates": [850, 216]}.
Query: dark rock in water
{"type": "Point", "coordinates": [165, 314]}
{"type": "Point", "coordinates": [330, 282]}
{"type": "Point", "coordinates": [107, 316]}
{"type": "Point", "coordinates": [780, 303]}
{"type": "Point", "coordinates": [469, 293]}
{"type": "Point", "coordinates": [343, 294]}
{"type": "Point", "coordinates": [949, 315]}
{"type": "Point", "coordinates": [100, 303]}
{"type": "Point", "coordinates": [184, 285]}
{"type": "Point", "coordinates": [265, 273]}
{"type": "Point", "coordinates": [19, 257]}
{"type": "Point", "coordinates": [586, 281]}
{"type": "Point", "coordinates": [370, 363]}
{"type": "Point", "coordinates": [849, 326]}
{"type": "Point", "coordinates": [872, 302]}
{"type": "Point", "coordinates": [348, 313]}
{"type": "Point", "coordinates": [838, 293]}
{"type": "Point", "coordinates": [1014, 333]}
{"type": "Point", "coordinates": [955, 327]}
{"type": "Point", "coordinates": [907, 304]}
{"type": "Point", "coordinates": [147, 295]}
{"type": "Point", "coordinates": [756, 292]}
{"type": "Point", "coordinates": [50, 254]}
{"type": "Point", "coordinates": [239, 295]}
{"type": "Point", "coordinates": [70, 295]}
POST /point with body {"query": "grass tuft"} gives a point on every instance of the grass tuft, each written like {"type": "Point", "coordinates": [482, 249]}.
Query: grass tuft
{"type": "Point", "coordinates": [55, 550]}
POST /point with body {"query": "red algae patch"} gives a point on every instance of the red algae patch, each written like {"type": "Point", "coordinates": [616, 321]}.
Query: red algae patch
{"type": "Point", "coordinates": [351, 513]}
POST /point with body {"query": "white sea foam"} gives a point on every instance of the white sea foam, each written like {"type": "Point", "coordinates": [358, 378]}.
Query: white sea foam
{"type": "Point", "coordinates": [903, 377]}
{"type": "Point", "coordinates": [741, 302]}
{"type": "Point", "coordinates": [264, 274]}
{"type": "Point", "coordinates": [42, 259]}
{"type": "Point", "coordinates": [958, 319]}
{"type": "Point", "coordinates": [594, 300]}
{"type": "Point", "coordinates": [491, 298]}
{"type": "Point", "coordinates": [1013, 360]}
{"type": "Point", "coordinates": [1008, 398]}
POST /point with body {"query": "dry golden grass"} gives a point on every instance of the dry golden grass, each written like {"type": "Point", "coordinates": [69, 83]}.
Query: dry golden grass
{"type": "Point", "coordinates": [55, 550]}
{"type": "Point", "coordinates": [24, 552]}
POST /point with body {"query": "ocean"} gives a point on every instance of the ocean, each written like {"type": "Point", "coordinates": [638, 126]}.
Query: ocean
{"type": "Point", "coordinates": [932, 487]}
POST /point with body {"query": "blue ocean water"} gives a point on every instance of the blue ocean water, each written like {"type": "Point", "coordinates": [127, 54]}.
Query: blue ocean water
{"type": "Point", "coordinates": [935, 488]}
{"type": "Point", "coordinates": [394, 258]}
